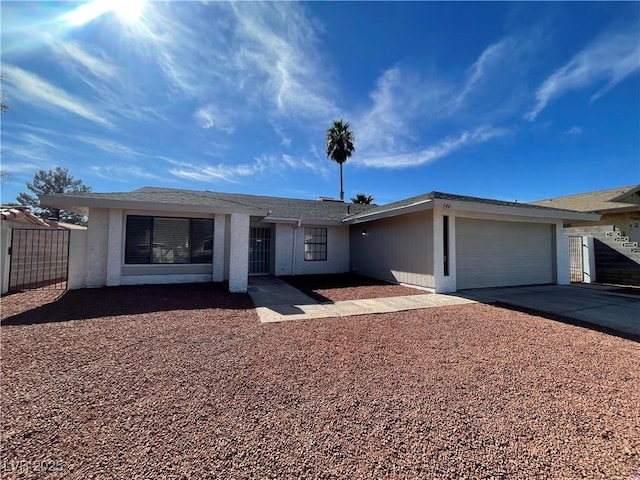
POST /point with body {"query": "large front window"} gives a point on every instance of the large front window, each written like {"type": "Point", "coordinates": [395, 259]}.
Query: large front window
{"type": "Point", "coordinates": [168, 240]}
{"type": "Point", "coordinates": [315, 243]}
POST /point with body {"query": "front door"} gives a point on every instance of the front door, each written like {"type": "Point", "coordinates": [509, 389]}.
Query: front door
{"type": "Point", "coordinates": [260, 251]}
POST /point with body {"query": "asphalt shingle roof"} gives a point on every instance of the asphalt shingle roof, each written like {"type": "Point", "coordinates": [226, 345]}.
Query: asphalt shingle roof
{"type": "Point", "coordinates": [278, 207]}
{"type": "Point", "coordinates": [449, 196]}
{"type": "Point", "coordinates": [290, 208]}
{"type": "Point", "coordinates": [598, 201]}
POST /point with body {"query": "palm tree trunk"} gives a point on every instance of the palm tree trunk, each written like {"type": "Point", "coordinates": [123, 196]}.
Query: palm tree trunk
{"type": "Point", "coordinates": [341, 190]}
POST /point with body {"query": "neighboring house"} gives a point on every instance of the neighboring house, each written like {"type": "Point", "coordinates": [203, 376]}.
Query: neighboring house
{"type": "Point", "coordinates": [13, 217]}
{"type": "Point", "coordinates": [439, 241]}
{"type": "Point", "coordinates": [619, 207]}
{"type": "Point", "coordinates": [616, 235]}
{"type": "Point", "coordinates": [38, 249]}
{"type": "Point", "coordinates": [19, 217]}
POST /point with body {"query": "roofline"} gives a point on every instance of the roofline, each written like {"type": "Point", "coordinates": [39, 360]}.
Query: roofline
{"type": "Point", "coordinates": [475, 207]}
{"type": "Point", "coordinates": [70, 202]}
{"type": "Point", "coordinates": [627, 190]}
{"type": "Point", "coordinates": [426, 204]}
{"type": "Point", "coordinates": [519, 211]}
{"type": "Point", "coordinates": [628, 208]}
{"type": "Point", "coordinates": [631, 191]}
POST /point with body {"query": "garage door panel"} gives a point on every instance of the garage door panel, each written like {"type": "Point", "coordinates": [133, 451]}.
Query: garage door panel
{"type": "Point", "coordinates": [494, 253]}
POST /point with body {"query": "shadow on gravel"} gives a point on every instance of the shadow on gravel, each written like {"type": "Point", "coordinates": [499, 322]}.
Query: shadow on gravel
{"type": "Point", "coordinates": [127, 300]}
{"type": "Point", "coordinates": [568, 321]}
{"type": "Point", "coordinates": [308, 284]}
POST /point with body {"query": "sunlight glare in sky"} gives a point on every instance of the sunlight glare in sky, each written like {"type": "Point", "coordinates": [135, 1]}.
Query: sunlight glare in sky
{"type": "Point", "coordinates": [128, 11]}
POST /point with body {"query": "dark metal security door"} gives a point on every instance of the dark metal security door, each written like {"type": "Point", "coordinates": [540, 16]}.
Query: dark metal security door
{"type": "Point", "coordinates": [259, 251]}
{"type": "Point", "coordinates": [39, 260]}
{"type": "Point", "coordinates": [576, 272]}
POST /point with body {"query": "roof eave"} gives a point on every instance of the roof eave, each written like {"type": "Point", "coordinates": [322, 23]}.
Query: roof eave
{"type": "Point", "coordinates": [517, 211]}
{"type": "Point", "coordinates": [629, 191]}
{"type": "Point", "coordinates": [70, 203]}
{"type": "Point", "coordinates": [392, 212]}
{"type": "Point", "coordinates": [625, 209]}
{"type": "Point", "coordinates": [476, 207]}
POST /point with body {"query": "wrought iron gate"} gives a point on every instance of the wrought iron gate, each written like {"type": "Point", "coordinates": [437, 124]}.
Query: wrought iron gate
{"type": "Point", "coordinates": [39, 259]}
{"type": "Point", "coordinates": [259, 251]}
{"type": "Point", "coordinates": [576, 262]}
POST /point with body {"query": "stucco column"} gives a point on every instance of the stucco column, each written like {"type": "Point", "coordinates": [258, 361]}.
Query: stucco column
{"type": "Point", "coordinates": [5, 243]}
{"type": "Point", "coordinates": [239, 254]}
{"type": "Point", "coordinates": [562, 256]}
{"type": "Point", "coordinates": [97, 246]}
{"type": "Point", "coordinates": [77, 277]}
{"type": "Point", "coordinates": [218, 248]}
{"type": "Point", "coordinates": [444, 283]}
{"type": "Point", "coordinates": [114, 248]}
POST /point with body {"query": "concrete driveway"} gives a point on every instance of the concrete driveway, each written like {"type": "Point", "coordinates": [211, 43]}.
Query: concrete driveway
{"type": "Point", "coordinates": [611, 307]}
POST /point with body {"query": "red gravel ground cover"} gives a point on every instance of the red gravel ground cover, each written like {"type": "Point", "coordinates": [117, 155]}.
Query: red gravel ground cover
{"type": "Point", "coordinates": [347, 286]}
{"type": "Point", "coordinates": [184, 382]}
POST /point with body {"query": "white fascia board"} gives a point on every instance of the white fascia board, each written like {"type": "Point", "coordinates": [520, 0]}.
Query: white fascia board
{"type": "Point", "coordinates": [269, 219]}
{"type": "Point", "coordinates": [320, 222]}
{"type": "Point", "coordinates": [302, 221]}
{"type": "Point", "coordinates": [505, 210]}
{"type": "Point", "coordinates": [69, 203]}
{"type": "Point", "coordinates": [392, 212]}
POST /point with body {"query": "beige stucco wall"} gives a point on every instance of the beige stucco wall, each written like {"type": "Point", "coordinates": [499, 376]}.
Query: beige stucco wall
{"type": "Point", "coordinates": [290, 261]}
{"type": "Point", "coordinates": [97, 247]}
{"type": "Point", "coordinates": [397, 249]}
{"type": "Point", "coordinates": [620, 220]}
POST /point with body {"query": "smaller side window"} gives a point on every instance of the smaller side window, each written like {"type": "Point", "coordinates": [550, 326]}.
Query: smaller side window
{"type": "Point", "coordinates": [315, 244]}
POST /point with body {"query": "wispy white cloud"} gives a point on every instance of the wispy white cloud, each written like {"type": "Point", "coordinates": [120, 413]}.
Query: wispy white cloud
{"type": "Point", "coordinates": [260, 55]}
{"type": "Point", "coordinates": [28, 146]}
{"type": "Point", "coordinates": [573, 131]}
{"type": "Point", "coordinates": [406, 107]}
{"type": "Point", "coordinates": [285, 139]}
{"type": "Point", "coordinates": [36, 91]}
{"type": "Point", "coordinates": [209, 116]}
{"type": "Point", "coordinates": [434, 152]}
{"type": "Point", "coordinates": [123, 173]}
{"type": "Point", "coordinates": [37, 140]}
{"type": "Point", "coordinates": [23, 166]}
{"type": "Point", "coordinates": [279, 42]}
{"type": "Point", "coordinates": [485, 66]}
{"type": "Point", "coordinates": [609, 60]}
{"type": "Point", "coordinates": [260, 166]}
{"type": "Point", "coordinates": [118, 90]}
{"type": "Point", "coordinates": [400, 101]}
{"type": "Point", "coordinates": [9, 149]}
{"type": "Point", "coordinates": [109, 146]}
{"type": "Point", "coordinates": [69, 51]}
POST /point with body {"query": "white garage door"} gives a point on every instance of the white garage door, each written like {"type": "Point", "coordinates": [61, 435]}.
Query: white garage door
{"type": "Point", "coordinates": [496, 254]}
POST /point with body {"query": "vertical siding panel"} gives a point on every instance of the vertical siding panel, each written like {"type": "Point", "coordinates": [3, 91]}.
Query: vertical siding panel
{"type": "Point", "coordinates": [397, 249]}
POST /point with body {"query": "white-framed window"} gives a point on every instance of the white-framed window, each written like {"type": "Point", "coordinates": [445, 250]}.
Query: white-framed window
{"type": "Point", "coordinates": [168, 240]}
{"type": "Point", "coordinates": [315, 244]}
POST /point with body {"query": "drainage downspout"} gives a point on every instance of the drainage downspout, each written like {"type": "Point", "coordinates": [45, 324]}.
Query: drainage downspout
{"type": "Point", "coordinates": [293, 253]}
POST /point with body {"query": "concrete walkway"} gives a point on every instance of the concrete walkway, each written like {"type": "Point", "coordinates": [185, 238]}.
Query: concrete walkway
{"type": "Point", "coordinates": [277, 301]}
{"type": "Point", "coordinates": [615, 308]}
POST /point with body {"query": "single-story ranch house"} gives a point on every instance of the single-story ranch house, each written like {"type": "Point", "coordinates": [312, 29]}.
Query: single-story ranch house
{"type": "Point", "coordinates": [438, 241]}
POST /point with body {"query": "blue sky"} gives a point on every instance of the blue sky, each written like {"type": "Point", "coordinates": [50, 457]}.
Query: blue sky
{"type": "Point", "coordinates": [516, 101]}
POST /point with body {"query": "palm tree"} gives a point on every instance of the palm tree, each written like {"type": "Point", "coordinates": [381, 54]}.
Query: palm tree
{"type": "Point", "coordinates": [340, 145]}
{"type": "Point", "coordinates": [363, 199]}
